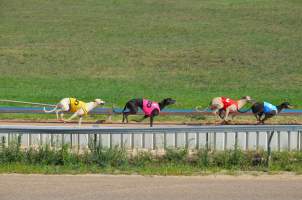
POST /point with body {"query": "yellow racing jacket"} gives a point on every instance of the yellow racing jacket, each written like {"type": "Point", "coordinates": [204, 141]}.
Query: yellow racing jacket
{"type": "Point", "coordinates": [76, 105]}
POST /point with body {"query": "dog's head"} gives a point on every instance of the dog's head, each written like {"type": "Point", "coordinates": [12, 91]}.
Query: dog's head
{"type": "Point", "coordinates": [99, 101]}
{"type": "Point", "coordinates": [168, 101]}
{"type": "Point", "coordinates": [286, 105]}
{"type": "Point", "coordinates": [248, 98]}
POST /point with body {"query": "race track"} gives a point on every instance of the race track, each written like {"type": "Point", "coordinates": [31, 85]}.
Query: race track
{"type": "Point", "coordinates": [92, 187]}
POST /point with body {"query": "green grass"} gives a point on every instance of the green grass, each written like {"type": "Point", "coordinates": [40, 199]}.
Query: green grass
{"type": "Point", "coordinates": [190, 50]}
{"type": "Point", "coordinates": [96, 159]}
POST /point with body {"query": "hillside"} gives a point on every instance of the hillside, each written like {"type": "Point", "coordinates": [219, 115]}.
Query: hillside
{"type": "Point", "coordinates": [189, 50]}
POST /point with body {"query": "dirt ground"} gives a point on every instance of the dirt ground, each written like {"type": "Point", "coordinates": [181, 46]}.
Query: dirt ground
{"type": "Point", "coordinates": [70, 187]}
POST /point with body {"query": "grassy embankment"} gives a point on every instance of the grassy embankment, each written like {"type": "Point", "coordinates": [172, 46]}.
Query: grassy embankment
{"type": "Point", "coordinates": [116, 50]}
{"type": "Point", "coordinates": [61, 160]}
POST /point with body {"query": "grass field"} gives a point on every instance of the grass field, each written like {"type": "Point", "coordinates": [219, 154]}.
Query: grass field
{"type": "Point", "coordinates": [189, 50]}
{"type": "Point", "coordinates": [61, 160]}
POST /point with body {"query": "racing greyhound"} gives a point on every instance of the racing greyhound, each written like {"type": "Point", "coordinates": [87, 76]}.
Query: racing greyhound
{"type": "Point", "coordinates": [151, 109]}
{"type": "Point", "coordinates": [267, 110]}
{"type": "Point", "coordinates": [219, 105]}
{"type": "Point", "coordinates": [79, 108]}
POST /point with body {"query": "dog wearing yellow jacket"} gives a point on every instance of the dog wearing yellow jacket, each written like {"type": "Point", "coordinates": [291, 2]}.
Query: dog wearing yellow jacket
{"type": "Point", "coordinates": [78, 108]}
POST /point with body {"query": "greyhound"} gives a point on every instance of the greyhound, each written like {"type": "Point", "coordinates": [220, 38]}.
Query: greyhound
{"type": "Point", "coordinates": [220, 104]}
{"type": "Point", "coordinates": [267, 110]}
{"type": "Point", "coordinates": [79, 108]}
{"type": "Point", "coordinates": [151, 109]}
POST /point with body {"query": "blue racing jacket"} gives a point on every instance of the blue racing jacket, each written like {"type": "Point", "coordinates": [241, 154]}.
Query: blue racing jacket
{"type": "Point", "coordinates": [269, 107]}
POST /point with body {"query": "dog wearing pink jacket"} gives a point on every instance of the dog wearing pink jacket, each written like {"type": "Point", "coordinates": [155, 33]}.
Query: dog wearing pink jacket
{"type": "Point", "coordinates": [150, 108]}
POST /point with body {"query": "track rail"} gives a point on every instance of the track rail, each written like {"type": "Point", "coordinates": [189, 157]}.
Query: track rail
{"type": "Point", "coordinates": [246, 137]}
{"type": "Point", "coordinates": [110, 111]}
{"type": "Point", "coordinates": [155, 130]}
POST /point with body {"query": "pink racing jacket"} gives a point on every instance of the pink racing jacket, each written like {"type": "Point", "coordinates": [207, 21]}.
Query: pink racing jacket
{"type": "Point", "coordinates": [149, 106]}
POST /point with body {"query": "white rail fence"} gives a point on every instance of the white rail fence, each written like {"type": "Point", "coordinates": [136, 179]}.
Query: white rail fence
{"type": "Point", "coordinates": [245, 137]}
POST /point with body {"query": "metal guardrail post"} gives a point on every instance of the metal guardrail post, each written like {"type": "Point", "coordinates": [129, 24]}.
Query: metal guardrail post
{"type": "Point", "coordinates": [63, 140]}
{"type": "Point", "coordinates": [288, 140]}
{"type": "Point", "coordinates": [110, 141]}
{"type": "Point", "coordinates": [236, 141]}
{"type": "Point", "coordinates": [298, 140]}
{"type": "Point", "coordinates": [197, 140]}
{"type": "Point", "coordinates": [165, 140]}
{"type": "Point", "coordinates": [122, 140]}
{"type": "Point", "coordinates": [247, 140]}
{"type": "Point", "coordinates": [132, 140]}
{"type": "Point", "coordinates": [279, 140]}
{"type": "Point", "coordinates": [225, 141]}
{"type": "Point", "coordinates": [51, 141]}
{"type": "Point", "coordinates": [214, 141]}
{"type": "Point", "coordinates": [300, 132]}
{"type": "Point", "coordinates": [267, 138]}
{"type": "Point", "coordinates": [269, 149]}
{"type": "Point", "coordinates": [186, 140]}
{"type": "Point", "coordinates": [100, 141]}
{"type": "Point", "coordinates": [257, 140]}
{"type": "Point", "coordinates": [153, 141]}
{"type": "Point", "coordinates": [143, 140]}
{"type": "Point", "coordinates": [29, 139]}
{"type": "Point", "coordinates": [175, 140]}
{"type": "Point", "coordinates": [71, 141]}
{"type": "Point", "coordinates": [8, 139]}
{"type": "Point", "coordinates": [41, 139]}
{"type": "Point", "coordinates": [78, 142]}
{"type": "Point", "coordinates": [207, 141]}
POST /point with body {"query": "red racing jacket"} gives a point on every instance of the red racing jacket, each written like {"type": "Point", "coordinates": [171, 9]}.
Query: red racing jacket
{"type": "Point", "coordinates": [227, 102]}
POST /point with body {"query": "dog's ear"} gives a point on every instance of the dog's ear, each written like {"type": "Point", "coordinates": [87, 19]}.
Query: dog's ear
{"type": "Point", "coordinates": [99, 101]}
{"type": "Point", "coordinates": [288, 105]}
{"type": "Point", "coordinates": [247, 98]}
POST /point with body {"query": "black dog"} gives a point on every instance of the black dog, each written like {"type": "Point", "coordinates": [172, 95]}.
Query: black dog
{"type": "Point", "coordinates": [151, 109]}
{"type": "Point", "coordinates": [267, 110]}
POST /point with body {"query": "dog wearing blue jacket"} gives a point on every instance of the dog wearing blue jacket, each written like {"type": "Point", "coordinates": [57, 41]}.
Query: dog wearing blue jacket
{"type": "Point", "coordinates": [265, 110]}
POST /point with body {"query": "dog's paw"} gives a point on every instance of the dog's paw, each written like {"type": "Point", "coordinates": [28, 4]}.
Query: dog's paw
{"type": "Point", "coordinates": [101, 121]}
{"type": "Point", "coordinates": [225, 122]}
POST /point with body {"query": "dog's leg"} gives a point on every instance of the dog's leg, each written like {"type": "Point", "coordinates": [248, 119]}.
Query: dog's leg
{"type": "Point", "coordinates": [144, 117]}
{"type": "Point", "coordinates": [59, 111]}
{"type": "Point", "coordinates": [57, 114]}
{"type": "Point", "coordinates": [62, 116]}
{"type": "Point", "coordinates": [227, 111]}
{"type": "Point", "coordinates": [154, 113]}
{"type": "Point", "coordinates": [268, 115]}
{"type": "Point", "coordinates": [123, 118]}
{"type": "Point", "coordinates": [216, 113]}
{"type": "Point", "coordinates": [151, 121]}
{"type": "Point", "coordinates": [80, 120]}
{"type": "Point", "coordinates": [221, 113]}
{"type": "Point", "coordinates": [126, 116]}
{"type": "Point", "coordinates": [132, 110]}
{"type": "Point", "coordinates": [257, 117]}
{"type": "Point", "coordinates": [71, 117]}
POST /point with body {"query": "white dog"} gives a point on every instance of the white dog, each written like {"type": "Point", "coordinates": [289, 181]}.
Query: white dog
{"type": "Point", "coordinates": [79, 108]}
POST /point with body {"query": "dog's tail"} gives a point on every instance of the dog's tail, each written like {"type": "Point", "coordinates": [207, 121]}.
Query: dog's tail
{"type": "Point", "coordinates": [200, 109]}
{"type": "Point", "coordinates": [124, 108]}
{"type": "Point", "coordinates": [244, 111]}
{"type": "Point", "coordinates": [247, 110]}
{"type": "Point", "coordinates": [49, 111]}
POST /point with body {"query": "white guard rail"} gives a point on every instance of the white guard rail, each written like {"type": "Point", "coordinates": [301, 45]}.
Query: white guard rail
{"type": "Point", "coordinates": [245, 137]}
